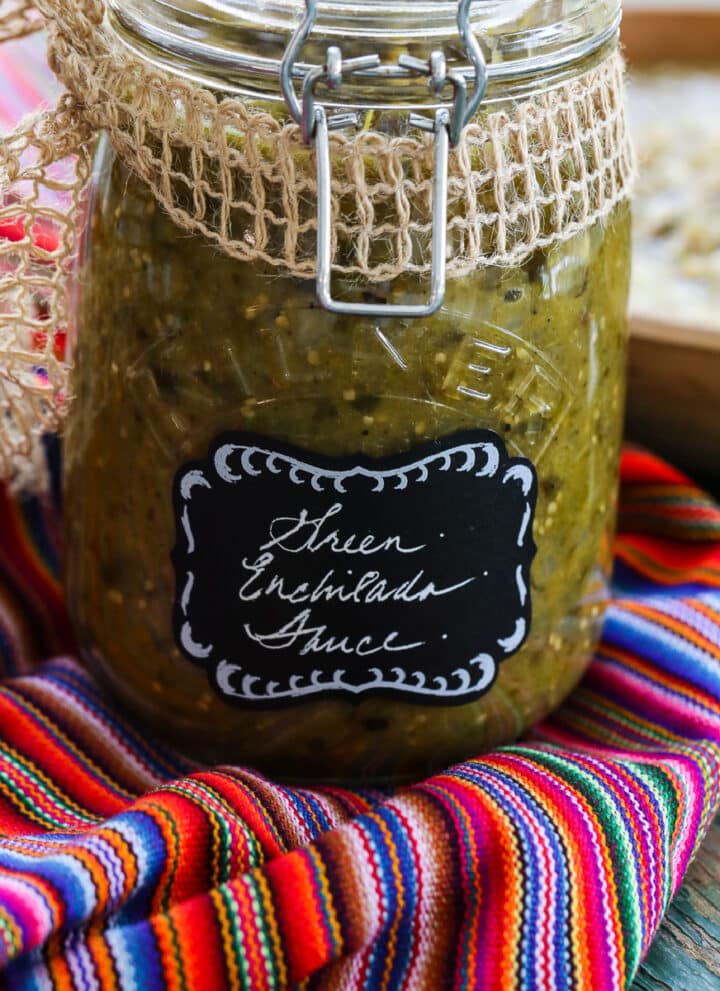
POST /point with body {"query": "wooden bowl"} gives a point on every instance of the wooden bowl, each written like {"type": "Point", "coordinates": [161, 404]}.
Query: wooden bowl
{"type": "Point", "coordinates": [652, 36]}
{"type": "Point", "coordinates": [674, 393]}
{"type": "Point", "coordinates": [674, 368]}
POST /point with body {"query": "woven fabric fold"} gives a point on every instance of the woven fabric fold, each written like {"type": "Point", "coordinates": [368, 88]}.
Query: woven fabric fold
{"type": "Point", "coordinates": [545, 864]}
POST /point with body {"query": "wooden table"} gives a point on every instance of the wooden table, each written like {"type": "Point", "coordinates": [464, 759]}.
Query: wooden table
{"type": "Point", "coordinates": [686, 952]}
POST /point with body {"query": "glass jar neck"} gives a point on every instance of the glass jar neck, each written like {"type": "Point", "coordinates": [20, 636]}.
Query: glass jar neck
{"type": "Point", "coordinates": [236, 46]}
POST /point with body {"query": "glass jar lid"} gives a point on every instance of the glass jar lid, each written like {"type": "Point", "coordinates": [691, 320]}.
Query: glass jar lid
{"type": "Point", "coordinates": [238, 45]}
{"type": "Point", "coordinates": [388, 51]}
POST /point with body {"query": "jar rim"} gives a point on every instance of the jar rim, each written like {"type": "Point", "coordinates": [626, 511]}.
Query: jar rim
{"type": "Point", "coordinates": [211, 41]}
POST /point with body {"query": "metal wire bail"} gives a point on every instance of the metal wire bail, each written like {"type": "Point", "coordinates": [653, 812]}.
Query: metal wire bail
{"type": "Point", "coordinates": [446, 125]}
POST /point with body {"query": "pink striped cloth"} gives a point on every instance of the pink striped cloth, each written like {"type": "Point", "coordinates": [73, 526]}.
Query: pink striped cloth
{"type": "Point", "coordinates": [26, 82]}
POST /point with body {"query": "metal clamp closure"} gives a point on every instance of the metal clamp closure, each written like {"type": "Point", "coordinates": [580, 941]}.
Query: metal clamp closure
{"type": "Point", "coordinates": [446, 125]}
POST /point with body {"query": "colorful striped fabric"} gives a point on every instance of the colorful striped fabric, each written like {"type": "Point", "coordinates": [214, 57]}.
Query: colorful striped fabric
{"type": "Point", "coordinates": [545, 865]}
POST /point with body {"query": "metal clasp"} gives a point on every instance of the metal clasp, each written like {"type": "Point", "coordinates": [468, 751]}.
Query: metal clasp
{"type": "Point", "coordinates": [446, 125]}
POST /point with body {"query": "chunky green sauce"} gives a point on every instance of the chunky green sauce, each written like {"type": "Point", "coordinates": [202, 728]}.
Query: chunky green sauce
{"type": "Point", "coordinates": [177, 343]}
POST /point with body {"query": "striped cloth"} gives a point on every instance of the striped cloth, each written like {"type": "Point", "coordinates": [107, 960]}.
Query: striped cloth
{"type": "Point", "coordinates": [545, 865]}
{"type": "Point", "coordinates": [26, 82]}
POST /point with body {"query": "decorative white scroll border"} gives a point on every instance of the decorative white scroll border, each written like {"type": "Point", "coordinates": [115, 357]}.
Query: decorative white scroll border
{"type": "Point", "coordinates": [472, 680]}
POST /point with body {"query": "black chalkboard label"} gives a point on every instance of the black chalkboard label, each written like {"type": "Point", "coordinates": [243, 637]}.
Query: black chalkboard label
{"type": "Point", "coordinates": [301, 576]}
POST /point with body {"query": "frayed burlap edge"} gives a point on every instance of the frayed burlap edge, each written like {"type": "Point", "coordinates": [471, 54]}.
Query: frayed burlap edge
{"type": "Point", "coordinates": [522, 178]}
{"type": "Point", "coordinates": [18, 18]}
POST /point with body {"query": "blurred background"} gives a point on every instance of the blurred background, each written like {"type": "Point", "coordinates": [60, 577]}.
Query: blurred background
{"type": "Point", "coordinates": [674, 101]}
{"type": "Point", "coordinates": [673, 51]}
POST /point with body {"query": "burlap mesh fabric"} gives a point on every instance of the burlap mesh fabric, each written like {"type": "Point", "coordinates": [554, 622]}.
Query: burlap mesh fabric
{"type": "Point", "coordinates": [40, 195]}
{"type": "Point", "coordinates": [18, 18]}
{"type": "Point", "coordinates": [522, 179]}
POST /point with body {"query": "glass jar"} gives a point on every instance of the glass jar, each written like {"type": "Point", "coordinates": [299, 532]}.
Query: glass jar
{"type": "Point", "coordinates": [343, 545]}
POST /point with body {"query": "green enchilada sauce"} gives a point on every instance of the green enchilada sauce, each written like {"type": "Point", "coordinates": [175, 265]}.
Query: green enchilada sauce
{"type": "Point", "coordinates": [177, 343]}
